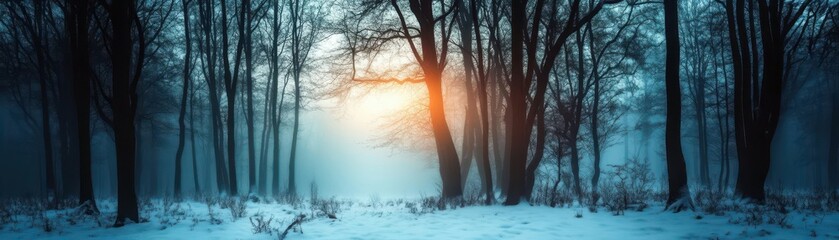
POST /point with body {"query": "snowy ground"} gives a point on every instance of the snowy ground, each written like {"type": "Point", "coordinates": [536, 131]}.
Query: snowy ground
{"type": "Point", "coordinates": [401, 219]}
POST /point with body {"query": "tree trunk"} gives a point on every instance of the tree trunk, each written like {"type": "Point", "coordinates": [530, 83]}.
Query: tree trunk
{"type": "Point", "coordinates": [449, 166]}
{"type": "Point", "coordinates": [184, 95]}
{"type": "Point", "coordinates": [486, 174]}
{"type": "Point", "coordinates": [467, 150]}
{"type": "Point", "coordinates": [123, 107]}
{"type": "Point", "coordinates": [701, 127]}
{"type": "Point", "coordinates": [595, 137]}
{"type": "Point", "coordinates": [541, 134]}
{"type": "Point", "coordinates": [230, 84]}
{"type": "Point", "coordinates": [275, 108]}
{"type": "Point", "coordinates": [470, 130]}
{"type": "Point", "coordinates": [81, 59]}
{"type": "Point", "coordinates": [296, 69]}
{"type": "Point", "coordinates": [517, 105]}
{"type": "Point", "coordinates": [678, 193]}
{"type": "Point", "coordinates": [833, 156]}
{"type": "Point", "coordinates": [208, 46]}
{"type": "Point", "coordinates": [192, 145]}
{"type": "Point", "coordinates": [249, 81]}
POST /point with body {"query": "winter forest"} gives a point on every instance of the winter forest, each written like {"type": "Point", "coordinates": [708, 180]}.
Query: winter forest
{"type": "Point", "coordinates": [419, 119]}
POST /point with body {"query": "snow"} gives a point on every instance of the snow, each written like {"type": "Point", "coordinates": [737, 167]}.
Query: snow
{"type": "Point", "coordinates": [394, 219]}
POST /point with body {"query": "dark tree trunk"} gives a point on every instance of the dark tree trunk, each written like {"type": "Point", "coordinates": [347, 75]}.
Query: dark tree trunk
{"type": "Point", "coordinates": [79, 11]}
{"type": "Point", "coordinates": [68, 132]}
{"type": "Point", "coordinates": [541, 134]}
{"type": "Point", "coordinates": [467, 149]}
{"type": "Point", "coordinates": [124, 107]}
{"type": "Point", "coordinates": [758, 96]}
{"type": "Point", "coordinates": [433, 64]}
{"type": "Point", "coordinates": [701, 128]}
{"type": "Point", "coordinates": [495, 131]}
{"type": "Point", "coordinates": [296, 69]}
{"type": "Point", "coordinates": [249, 81]}
{"type": "Point", "coordinates": [486, 173]}
{"type": "Point", "coordinates": [470, 130]}
{"type": "Point", "coordinates": [678, 193]}
{"type": "Point", "coordinates": [576, 118]}
{"type": "Point", "coordinates": [275, 108]}
{"type": "Point", "coordinates": [192, 145]}
{"type": "Point", "coordinates": [595, 136]}
{"type": "Point", "coordinates": [206, 15]}
{"type": "Point", "coordinates": [230, 84]}
{"type": "Point", "coordinates": [517, 105]}
{"type": "Point", "coordinates": [833, 156]}
{"type": "Point", "coordinates": [184, 94]}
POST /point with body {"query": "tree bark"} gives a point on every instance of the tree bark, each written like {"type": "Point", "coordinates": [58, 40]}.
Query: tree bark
{"type": "Point", "coordinates": [249, 81]}
{"type": "Point", "coordinates": [230, 84]}
{"type": "Point", "coordinates": [833, 156]}
{"type": "Point", "coordinates": [296, 69]}
{"type": "Point", "coordinates": [206, 15]}
{"type": "Point", "coordinates": [78, 29]}
{"type": "Point", "coordinates": [516, 106]}
{"type": "Point", "coordinates": [678, 193]}
{"type": "Point", "coordinates": [433, 64]}
{"type": "Point", "coordinates": [184, 94]}
{"type": "Point", "coordinates": [120, 13]}
{"type": "Point", "coordinates": [192, 145]}
{"type": "Point", "coordinates": [275, 108]}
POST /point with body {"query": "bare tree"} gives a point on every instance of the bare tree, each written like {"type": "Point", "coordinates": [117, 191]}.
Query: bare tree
{"type": "Point", "coordinates": [757, 96]}
{"type": "Point", "coordinates": [186, 76]}
{"type": "Point", "coordinates": [678, 193]}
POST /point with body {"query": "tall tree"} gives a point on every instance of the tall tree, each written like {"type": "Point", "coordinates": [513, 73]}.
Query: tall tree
{"type": "Point", "coordinates": [247, 16]}
{"type": "Point", "coordinates": [833, 156]}
{"type": "Point", "coordinates": [124, 106]}
{"type": "Point", "coordinates": [77, 28]}
{"type": "Point", "coordinates": [208, 47]}
{"type": "Point", "coordinates": [540, 59]}
{"type": "Point", "coordinates": [678, 198]}
{"type": "Point", "coordinates": [231, 81]}
{"type": "Point", "coordinates": [430, 54]}
{"type": "Point", "coordinates": [759, 80]}
{"type": "Point", "coordinates": [275, 108]}
{"type": "Point", "coordinates": [305, 27]}
{"type": "Point", "coordinates": [184, 94]}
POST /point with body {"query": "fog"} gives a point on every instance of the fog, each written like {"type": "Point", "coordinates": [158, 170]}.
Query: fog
{"type": "Point", "coordinates": [586, 104]}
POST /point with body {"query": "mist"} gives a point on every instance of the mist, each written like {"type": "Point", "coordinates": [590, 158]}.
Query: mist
{"type": "Point", "coordinates": [439, 111]}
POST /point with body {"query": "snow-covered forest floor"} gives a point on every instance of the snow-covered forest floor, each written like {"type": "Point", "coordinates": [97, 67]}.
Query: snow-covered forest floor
{"type": "Point", "coordinates": [788, 216]}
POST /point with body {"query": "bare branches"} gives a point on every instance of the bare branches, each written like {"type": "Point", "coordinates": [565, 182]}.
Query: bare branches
{"type": "Point", "coordinates": [389, 80]}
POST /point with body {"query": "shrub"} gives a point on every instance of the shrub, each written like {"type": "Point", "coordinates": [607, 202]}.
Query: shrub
{"type": "Point", "coordinates": [214, 220]}
{"type": "Point", "coordinates": [710, 202]}
{"type": "Point", "coordinates": [627, 185]}
{"type": "Point", "coordinates": [260, 225]}
{"type": "Point", "coordinates": [237, 206]}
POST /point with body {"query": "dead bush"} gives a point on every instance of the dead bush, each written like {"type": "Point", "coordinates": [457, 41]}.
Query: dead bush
{"type": "Point", "coordinates": [260, 225]}
{"type": "Point", "coordinates": [237, 206]}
